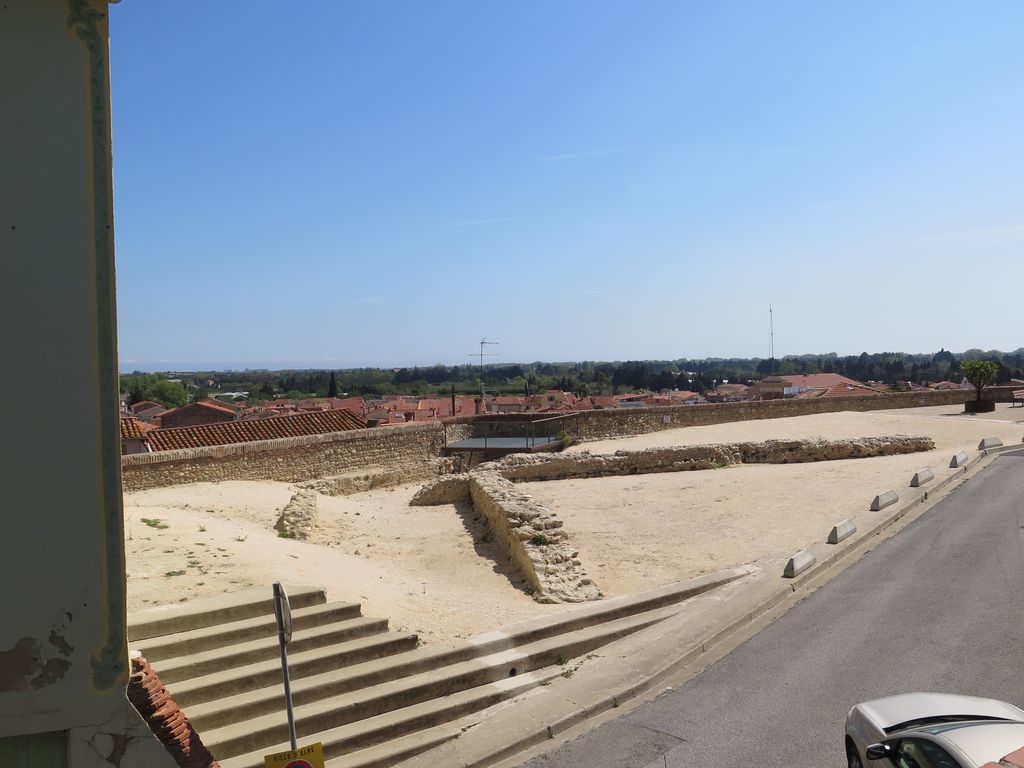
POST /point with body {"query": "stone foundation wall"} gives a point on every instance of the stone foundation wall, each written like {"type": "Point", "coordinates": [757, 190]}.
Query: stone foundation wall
{"type": "Point", "coordinates": [533, 538]}
{"type": "Point", "coordinates": [386, 477]}
{"type": "Point", "coordinates": [413, 449]}
{"type": "Point", "coordinates": [560, 466]}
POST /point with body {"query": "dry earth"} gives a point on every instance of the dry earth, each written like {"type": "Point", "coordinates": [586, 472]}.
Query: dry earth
{"type": "Point", "coordinates": [432, 569]}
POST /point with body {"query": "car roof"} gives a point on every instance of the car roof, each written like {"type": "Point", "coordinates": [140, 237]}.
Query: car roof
{"type": "Point", "coordinates": [893, 711]}
{"type": "Point", "coordinates": [984, 741]}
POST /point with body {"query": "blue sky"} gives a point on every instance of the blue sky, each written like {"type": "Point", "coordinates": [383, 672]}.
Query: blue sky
{"type": "Point", "coordinates": [338, 184]}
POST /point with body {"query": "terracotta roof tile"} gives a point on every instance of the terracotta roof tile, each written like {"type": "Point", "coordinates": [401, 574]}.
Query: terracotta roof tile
{"type": "Point", "coordinates": [133, 429]}
{"type": "Point", "coordinates": [228, 432]}
{"type": "Point", "coordinates": [848, 390]}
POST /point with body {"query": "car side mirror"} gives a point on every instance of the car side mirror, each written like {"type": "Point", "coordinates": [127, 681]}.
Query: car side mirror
{"type": "Point", "coordinates": [879, 751]}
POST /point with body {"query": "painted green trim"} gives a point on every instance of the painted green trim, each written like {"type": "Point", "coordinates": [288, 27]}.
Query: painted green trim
{"type": "Point", "coordinates": [109, 659]}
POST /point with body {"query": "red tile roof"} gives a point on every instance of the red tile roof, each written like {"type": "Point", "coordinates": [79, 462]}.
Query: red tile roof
{"type": "Point", "coordinates": [229, 432]}
{"type": "Point", "coordinates": [133, 429]}
{"type": "Point", "coordinates": [848, 390]}
{"type": "Point", "coordinates": [817, 380]}
{"type": "Point", "coordinates": [224, 404]}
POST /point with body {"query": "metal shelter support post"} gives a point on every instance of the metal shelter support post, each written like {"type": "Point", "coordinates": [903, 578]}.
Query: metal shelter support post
{"type": "Point", "coordinates": [283, 614]}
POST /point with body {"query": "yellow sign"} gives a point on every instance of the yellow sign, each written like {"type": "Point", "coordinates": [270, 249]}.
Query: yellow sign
{"type": "Point", "coordinates": [303, 757]}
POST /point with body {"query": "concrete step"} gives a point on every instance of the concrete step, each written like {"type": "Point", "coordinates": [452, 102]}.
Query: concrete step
{"type": "Point", "coordinates": [233, 656]}
{"type": "Point", "coordinates": [348, 738]}
{"type": "Point", "coordinates": [602, 611]}
{"type": "Point", "coordinates": [238, 685]}
{"type": "Point", "coordinates": [210, 611]}
{"type": "Point", "coordinates": [330, 709]}
{"type": "Point", "coordinates": [223, 708]}
{"type": "Point", "coordinates": [396, 750]}
{"type": "Point", "coordinates": [234, 632]}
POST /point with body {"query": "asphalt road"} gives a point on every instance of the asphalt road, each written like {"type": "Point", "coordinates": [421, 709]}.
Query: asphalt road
{"type": "Point", "coordinates": [938, 607]}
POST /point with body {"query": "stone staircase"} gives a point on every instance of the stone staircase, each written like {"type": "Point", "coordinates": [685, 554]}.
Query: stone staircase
{"type": "Point", "coordinates": [369, 694]}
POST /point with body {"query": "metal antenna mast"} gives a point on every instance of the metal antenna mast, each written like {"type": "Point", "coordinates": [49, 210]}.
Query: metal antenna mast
{"type": "Point", "coordinates": [481, 354]}
{"type": "Point", "coordinates": [771, 337]}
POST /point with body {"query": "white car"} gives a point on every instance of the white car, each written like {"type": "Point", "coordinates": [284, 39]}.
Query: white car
{"type": "Point", "coordinates": [932, 730]}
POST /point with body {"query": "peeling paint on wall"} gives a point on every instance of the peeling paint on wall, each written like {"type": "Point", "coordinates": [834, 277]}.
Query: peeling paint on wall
{"type": "Point", "coordinates": [29, 665]}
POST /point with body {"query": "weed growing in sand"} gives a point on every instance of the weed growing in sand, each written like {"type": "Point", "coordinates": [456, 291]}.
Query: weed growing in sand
{"type": "Point", "coordinates": [241, 538]}
{"type": "Point", "coordinates": [567, 673]}
{"type": "Point", "coordinates": [202, 529]}
{"type": "Point", "coordinates": [286, 534]}
{"type": "Point", "coordinates": [155, 522]}
{"type": "Point", "coordinates": [174, 573]}
{"type": "Point", "coordinates": [562, 660]}
{"type": "Point", "coordinates": [539, 540]}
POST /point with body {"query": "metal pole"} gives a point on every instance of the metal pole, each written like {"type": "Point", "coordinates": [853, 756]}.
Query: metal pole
{"type": "Point", "coordinates": [283, 614]}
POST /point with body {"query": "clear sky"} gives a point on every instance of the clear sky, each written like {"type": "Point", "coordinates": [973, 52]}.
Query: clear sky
{"type": "Point", "coordinates": [336, 184]}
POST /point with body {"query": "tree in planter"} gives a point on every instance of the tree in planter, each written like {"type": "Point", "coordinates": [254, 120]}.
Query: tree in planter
{"type": "Point", "coordinates": [979, 372]}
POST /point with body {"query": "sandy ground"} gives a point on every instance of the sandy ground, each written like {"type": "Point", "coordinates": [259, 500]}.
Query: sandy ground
{"type": "Point", "coordinates": [432, 570]}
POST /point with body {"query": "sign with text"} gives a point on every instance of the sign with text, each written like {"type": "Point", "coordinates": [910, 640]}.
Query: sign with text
{"type": "Point", "coordinates": [303, 757]}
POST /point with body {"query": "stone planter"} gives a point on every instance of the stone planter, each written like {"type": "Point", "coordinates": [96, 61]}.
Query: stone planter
{"type": "Point", "coordinates": [979, 406]}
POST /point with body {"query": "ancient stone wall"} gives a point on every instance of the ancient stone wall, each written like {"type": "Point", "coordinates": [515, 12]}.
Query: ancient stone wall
{"type": "Point", "coordinates": [619, 422]}
{"type": "Point", "coordinates": [299, 517]}
{"type": "Point", "coordinates": [559, 466]}
{"type": "Point", "coordinates": [293, 459]}
{"type": "Point", "coordinates": [533, 538]}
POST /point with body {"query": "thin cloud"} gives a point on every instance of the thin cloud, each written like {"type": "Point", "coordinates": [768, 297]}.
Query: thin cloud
{"type": "Point", "coordinates": [592, 153]}
{"type": "Point", "coordinates": [481, 222]}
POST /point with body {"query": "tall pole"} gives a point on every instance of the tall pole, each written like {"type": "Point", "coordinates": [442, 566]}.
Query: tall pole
{"type": "Point", "coordinates": [483, 354]}
{"type": "Point", "coordinates": [283, 614]}
{"type": "Point", "coordinates": [771, 337]}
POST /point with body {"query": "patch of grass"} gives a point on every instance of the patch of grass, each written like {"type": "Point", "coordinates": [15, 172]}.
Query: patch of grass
{"type": "Point", "coordinates": [539, 540]}
{"type": "Point", "coordinates": [567, 673]}
{"type": "Point", "coordinates": [562, 660]}
{"type": "Point", "coordinates": [174, 573]}
{"type": "Point", "coordinates": [286, 534]}
{"type": "Point", "coordinates": [155, 522]}
{"type": "Point", "coordinates": [202, 529]}
{"type": "Point", "coordinates": [241, 538]}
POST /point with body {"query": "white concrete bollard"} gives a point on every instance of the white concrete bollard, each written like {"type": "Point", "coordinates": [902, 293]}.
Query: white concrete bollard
{"type": "Point", "coordinates": [799, 563]}
{"type": "Point", "coordinates": [884, 499]}
{"type": "Point", "coordinates": [843, 530]}
{"type": "Point", "coordinates": [921, 477]}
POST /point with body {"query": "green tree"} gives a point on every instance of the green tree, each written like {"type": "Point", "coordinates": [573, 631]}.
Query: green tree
{"type": "Point", "coordinates": [332, 388]}
{"type": "Point", "coordinates": [169, 393]}
{"type": "Point", "coordinates": [979, 373]}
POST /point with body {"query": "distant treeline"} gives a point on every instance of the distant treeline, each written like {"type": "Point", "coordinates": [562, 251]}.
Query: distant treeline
{"type": "Point", "coordinates": [583, 378]}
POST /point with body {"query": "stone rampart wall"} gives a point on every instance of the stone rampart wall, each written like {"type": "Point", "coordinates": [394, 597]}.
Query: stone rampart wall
{"type": "Point", "coordinates": [293, 459]}
{"type": "Point", "coordinates": [619, 422]}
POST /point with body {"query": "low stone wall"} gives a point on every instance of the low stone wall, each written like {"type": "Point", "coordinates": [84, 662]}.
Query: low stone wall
{"type": "Point", "coordinates": [537, 467]}
{"type": "Point", "coordinates": [620, 422]}
{"type": "Point", "coordinates": [387, 477]}
{"type": "Point", "coordinates": [413, 448]}
{"type": "Point", "coordinates": [533, 538]}
{"type": "Point", "coordinates": [299, 517]}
